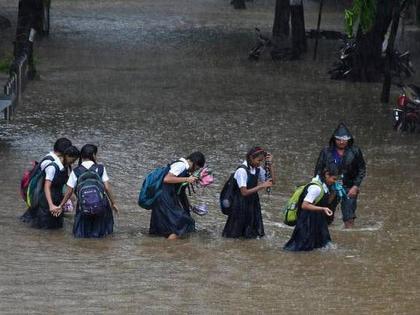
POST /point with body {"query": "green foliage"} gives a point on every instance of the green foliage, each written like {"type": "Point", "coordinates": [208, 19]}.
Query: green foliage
{"type": "Point", "coordinates": [362, 13]}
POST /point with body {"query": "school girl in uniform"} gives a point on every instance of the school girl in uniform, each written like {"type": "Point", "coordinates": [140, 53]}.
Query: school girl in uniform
{"type": "Point", "coordinates": [311, 230]}
{"type": "Point", "coordinates": [56, 167]}
{"type": "Point", "coordinates": [171, 215]}
{"type": "Point", "coordinates": [86, 226]}
{"type": "Point", "coordinates": [245, 219]}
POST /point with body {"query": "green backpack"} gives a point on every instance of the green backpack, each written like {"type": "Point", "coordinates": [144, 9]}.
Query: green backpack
{"type": "Point", "coordinates": [291, 209]}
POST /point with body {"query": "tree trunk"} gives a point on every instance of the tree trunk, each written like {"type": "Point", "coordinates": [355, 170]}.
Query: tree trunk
{"type": "Point", "coordinates": [238, 4]}
{"type": "Point", "coordinates": [299, 45]}
{"type": "Point", "coordinates": [390, 50]}
{"type": "Point", "coordinates": [418, 12]}
{"type": "Point", "coordinates": [281, 27]}
{"type": "Point", "coordinates": [387, 70]}
{"type": "Point", "coordinates": [367, 60]}
{"type": "Point", "coordinates": [29, 17]}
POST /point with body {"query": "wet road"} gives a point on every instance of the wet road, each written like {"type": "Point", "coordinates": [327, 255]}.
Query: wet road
{"type": "Point", "coordinates": [149, 81]}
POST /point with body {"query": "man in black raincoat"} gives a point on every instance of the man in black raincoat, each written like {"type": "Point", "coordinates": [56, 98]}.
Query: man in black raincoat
{"type": "Point", "coordinates": [349, 159]}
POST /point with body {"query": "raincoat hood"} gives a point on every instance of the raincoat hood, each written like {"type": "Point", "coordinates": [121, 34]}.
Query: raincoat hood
{"type": "Point", "coordinates": [342, 131]}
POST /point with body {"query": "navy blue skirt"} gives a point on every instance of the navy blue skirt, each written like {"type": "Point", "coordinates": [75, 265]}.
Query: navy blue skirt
{"type": "Point", "coordinates": [170, 213]}
{"type": "Point", "coordinates": [245, 221]}
{"type": "Point", "coordinates": [86, 226]}
{"type": "Point", "coordinates": [41, 218]}
{"type": "Point", "coordinates": [311, 231]}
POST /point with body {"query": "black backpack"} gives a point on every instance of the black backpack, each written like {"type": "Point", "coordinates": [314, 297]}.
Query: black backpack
{"type": "Point", "coordinates": [228, 192]}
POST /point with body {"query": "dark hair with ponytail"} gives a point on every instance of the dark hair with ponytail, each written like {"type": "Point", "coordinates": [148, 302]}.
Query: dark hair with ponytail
{"type": "Point", "coordinates": [88, 152]}
{"type": "Point", "coordinates": [72, 152]}
{"type": "Point", "coordinates": [197, 158]}
{"type": "Point", "coordinates": [255, 152]}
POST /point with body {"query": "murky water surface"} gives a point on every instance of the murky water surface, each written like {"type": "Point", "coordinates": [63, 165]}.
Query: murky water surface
{"type": "Point", "coordinates": [149, 81]}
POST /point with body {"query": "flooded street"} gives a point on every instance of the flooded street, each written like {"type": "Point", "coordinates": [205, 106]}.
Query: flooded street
{"type": "Point", "coordinates": [150, 81]}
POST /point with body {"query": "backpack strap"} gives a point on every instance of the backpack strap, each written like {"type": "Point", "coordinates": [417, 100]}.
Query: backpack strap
{"type": "Point", "coordinates": [79, 170]}
{"type": "Point", "coordinates": [47, 158]}
{"type": "Point", "coordinates": [246, 168]}
{"type": "Point", "coordinates": [98, 168]}
{"type": "Point", "coordinates": [319, 184]}
{"type": "Point", "coordinates": [52, 163]}
{"type": "Point", "coordinates": [177, 161]}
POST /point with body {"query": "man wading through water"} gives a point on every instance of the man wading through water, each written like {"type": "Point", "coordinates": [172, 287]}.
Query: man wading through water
{"type": "Point", "coordinates": [349, 160]}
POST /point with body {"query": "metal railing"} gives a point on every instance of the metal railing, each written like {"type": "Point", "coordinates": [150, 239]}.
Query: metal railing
{"type": "Point", "coordinates": [14, 87]}
{"type": "Point", "coordinates": [31, 20]}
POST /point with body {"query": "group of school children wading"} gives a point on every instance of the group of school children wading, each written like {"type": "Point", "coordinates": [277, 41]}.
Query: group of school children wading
{"type": "Point", "coordinates": [45, 207]}
{"type": "Point", "coordinates": [341, 162]}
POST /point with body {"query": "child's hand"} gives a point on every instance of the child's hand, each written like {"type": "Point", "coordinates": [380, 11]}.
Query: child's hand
{"type": "Point", "coordinates": [327, 211]}
{"type": "Point", "coordinates": [267, 184]}
{"type": "Point", "coordinates": [55, 211]}
{"type": "Point", "coordinates": [192, 179]}
{"type": "Point", "coordinates": [353, 192]}
{"type": "Point", "coordinates": [269, 158]}
{"type": "Point", "coordinates": [115, 208]}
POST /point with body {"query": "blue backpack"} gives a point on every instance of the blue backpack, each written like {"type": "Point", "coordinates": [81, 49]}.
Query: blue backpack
{"type": "Point", "coordinates": [152, 187]}
{"type": "Point", "coordinates": [90, 190]}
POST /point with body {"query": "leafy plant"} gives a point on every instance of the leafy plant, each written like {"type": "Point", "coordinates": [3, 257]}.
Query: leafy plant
{"type": "Point", "coordinates": [362, 13]}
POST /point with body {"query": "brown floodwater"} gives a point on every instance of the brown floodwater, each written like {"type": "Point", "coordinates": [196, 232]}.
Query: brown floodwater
{"type": "Point", "coordinates": [150, 81]}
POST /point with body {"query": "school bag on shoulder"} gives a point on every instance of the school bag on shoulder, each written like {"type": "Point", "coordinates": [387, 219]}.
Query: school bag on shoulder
{"type": "Point", "coordinates": [32, 182]}
{"type": "Point", "coordinates": [152, 187]}
{"type": "Point", "coordinates": [292, 206]}
{"type": "Point", "coordinates": [228, 192]}
{"type": "Point", "coordinates": [90, 190]}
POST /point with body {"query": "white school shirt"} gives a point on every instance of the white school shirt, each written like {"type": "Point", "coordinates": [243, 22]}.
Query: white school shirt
{"type": "Point", "coordinates": [50, 170]}
{"type": "Point", "coordinates": [178, 167]}
{"type": "Point", "coordinates": [241, 175]}
{"type": "Point", "coordinates": [314, 191]}
{"type": "Point", "coordinates": [72, 181]}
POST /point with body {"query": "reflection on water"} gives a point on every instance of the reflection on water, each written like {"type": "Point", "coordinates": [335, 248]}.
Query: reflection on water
{"type": "Point", "coordinates": [177, 80]}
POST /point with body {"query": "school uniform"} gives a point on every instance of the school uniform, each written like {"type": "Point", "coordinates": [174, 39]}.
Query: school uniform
{"type": "Point", "coordinates": [311, 230]}
{"type": "Point", "coordinates": [87, 226]}
{"type": "Point", "coordinates": [40, 217]}
{"type": "Point", "coordinates": [245, 219]}
{"type": "Point", "coordinates": [171, 210]}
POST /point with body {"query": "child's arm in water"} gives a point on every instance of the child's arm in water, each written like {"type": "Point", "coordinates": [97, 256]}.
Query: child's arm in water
{"type": "Point", "coordinates": [246, 192]}
{"type": "Point", "coordinates": [311, 207]}
{"type": "Point", "coordinates": [55, 211]}
{"type": "Point", "coordinates": [111, 196]}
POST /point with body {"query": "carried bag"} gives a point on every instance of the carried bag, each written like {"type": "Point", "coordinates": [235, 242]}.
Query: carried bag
{"type": "Point", "coordinates": [290, 211]}
{"type": "Point", "coordinates": [32, 182]}
{"type": "Point", "coordinates": [90, 190]}
{"type": "Point", "coordinates": [152, 187]}
{"type": "Point", "coordinates": [228, 192]}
